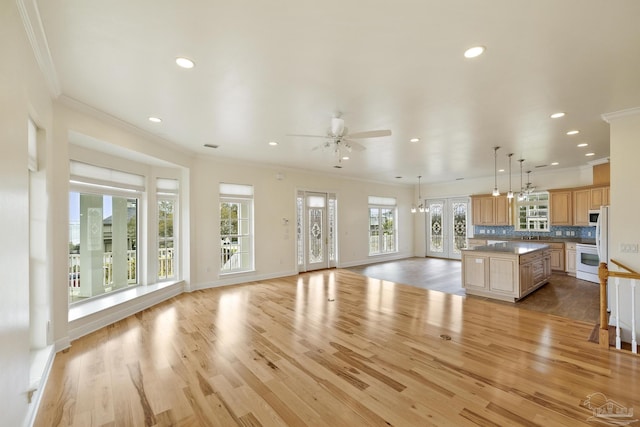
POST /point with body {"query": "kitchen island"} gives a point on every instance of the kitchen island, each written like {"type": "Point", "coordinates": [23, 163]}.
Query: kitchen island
{"type": "Point", "coordinates": [506, 271]}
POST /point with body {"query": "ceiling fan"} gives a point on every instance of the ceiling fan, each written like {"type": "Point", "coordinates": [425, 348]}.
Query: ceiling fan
{"type": "Point", "coordinates": [340, 140]}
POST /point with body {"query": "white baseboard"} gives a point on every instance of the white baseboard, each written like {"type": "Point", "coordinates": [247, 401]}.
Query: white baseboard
{"type": "Point", "coordinates": [242, 278]}
{"type": "Point", "coordinates": [40, 384]}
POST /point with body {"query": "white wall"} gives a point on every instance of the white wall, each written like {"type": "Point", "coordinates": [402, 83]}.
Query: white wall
{"type": "Point", "coordinates": [23, 93]}
{"type": "Point", "coordinates": [625, 201]}
{"type": "Point", "coordinates": [274, 200]}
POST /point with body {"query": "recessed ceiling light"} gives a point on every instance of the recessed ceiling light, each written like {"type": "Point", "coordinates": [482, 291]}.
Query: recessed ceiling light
{"type": "Point", "coordinates": [590, 154]}
{"type": "Point", "coordinates": [338, 167]}
{"type": "Point", "coordinates": [557, 115]}
{"type": "Point", "coordinates": [273, 143]}
{"type": "Point", "coordinates": [211, 145]}
{"type": "Point", "coordinates": [500, 170]}
{"type": "Point", "coordinates": [155, 119]}
{"type": "Point", "coordinates": [414, 140]}
{"type": "Point", "coordinates": [474, 51]}
{"type": "Point", "coordinates": [584, 144]}
{"type": "Point", "coordinates": [573, 132]}
{"type": "Point", "coordinates": [345, 158]}
{"type": "Point", "coordinates": [554, 163]}
{"type": "Point", "coordinates": [398, 177]}
{"type": "Point", "coordinates": [184, 62]}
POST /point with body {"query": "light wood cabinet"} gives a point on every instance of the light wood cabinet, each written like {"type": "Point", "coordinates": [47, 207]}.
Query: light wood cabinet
{"type": "Point", "coordinates": [561, 212]}
{"type": "Point", "coordinates": [570, 258]}
{"type": "Point", "coordinates": [599, 197]}
{"type": "Point", "coordinates": [571, 206]}
{"type": "Point", "coordinates": [503, 216]}
{"type": "Point", "coordinates": [556, 252]}
{"type": "Point", "coordinates": [504, 275]}
{"type": "Point", "coordinates": [490, 210]}
{"type": "Point", "coordinates": [581, 205]}
{"type": "Point", "coordinates": [475, 273]}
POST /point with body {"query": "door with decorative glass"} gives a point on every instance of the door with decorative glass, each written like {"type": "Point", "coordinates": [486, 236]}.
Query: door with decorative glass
{"type": "Point", "coordinates": [315, 230]}
{"type": "Point", "coordinates": [446, 227]}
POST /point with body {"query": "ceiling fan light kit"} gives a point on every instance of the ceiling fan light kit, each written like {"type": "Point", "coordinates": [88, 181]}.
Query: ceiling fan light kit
{"type": "Point", "coordinates": [339, 140]}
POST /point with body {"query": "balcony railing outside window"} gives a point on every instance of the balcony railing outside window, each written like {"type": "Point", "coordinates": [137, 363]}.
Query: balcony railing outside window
{"type": "Point", "coordinates": [165, 263]}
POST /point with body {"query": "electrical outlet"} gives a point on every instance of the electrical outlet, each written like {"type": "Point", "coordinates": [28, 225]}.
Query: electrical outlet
{"type": "Point", "coordinates": [629, 248]}
{"type": "Point", "coordinates": [588, 234]}
{"type": "Point", "coordinates": [558, 233]}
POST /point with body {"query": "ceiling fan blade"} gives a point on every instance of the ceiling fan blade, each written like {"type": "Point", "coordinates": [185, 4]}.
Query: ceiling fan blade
{"type": "Point", "coordinates": [326, 144]}
{"type": "Point", "coordinates": [371, 134]}
{"type": "Point", "coordinates": [355, 146]}
{"type": "Point", "coordinates": [307, 136]}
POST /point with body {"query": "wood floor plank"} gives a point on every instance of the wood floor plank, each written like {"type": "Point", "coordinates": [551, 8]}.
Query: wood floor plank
{"type": "Point", "coordinates": [279, 352]}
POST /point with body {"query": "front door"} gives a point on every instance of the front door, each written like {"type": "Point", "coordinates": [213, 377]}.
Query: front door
{"type": "Point", "coordinates": [446, 227]}
{"type": "Point", "coordinates": [316, 222]}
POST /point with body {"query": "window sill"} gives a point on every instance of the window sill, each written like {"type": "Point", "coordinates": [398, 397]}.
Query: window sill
{"type": "Point", "coordinates": [84, 309]}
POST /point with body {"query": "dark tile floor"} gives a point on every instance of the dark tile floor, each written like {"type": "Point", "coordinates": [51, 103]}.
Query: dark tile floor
{"type": "Point", "coordinates": [563, 296]}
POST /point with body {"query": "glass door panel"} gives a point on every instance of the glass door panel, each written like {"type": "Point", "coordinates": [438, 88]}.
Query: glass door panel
{"type": "Point", "coordinates": [459, 212]}
{"type": "Point", "coordinates": [446, 229]}
{"type": "Point", "coordinates": [436, 230]}
{"type": "Point", "coordinates": [316, 230]}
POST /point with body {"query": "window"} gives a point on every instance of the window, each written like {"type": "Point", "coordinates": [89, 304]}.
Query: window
{"type": "Point", "coordinates": [167, 190]}
{"type": "Point", "coordinates": [382, 225]}
{"type": "Point", "coordinates": [103, 230]}
{"type": "Point", "coordinates": [533, 212]}
{"type": "Point", "coordinates": [236, 228]}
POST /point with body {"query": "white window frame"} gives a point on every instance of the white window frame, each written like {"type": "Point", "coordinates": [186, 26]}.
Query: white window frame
{"type": "Point", "coordinates": [242, 195]}
{"type": "Point", "coordinates": [167, 190]}
{"type": "Point", "coordinates": [90, 189]}
{"type": "Point", "coordinates": [382, 203]}
{"type": "Point", "coordinates": [533, 204]}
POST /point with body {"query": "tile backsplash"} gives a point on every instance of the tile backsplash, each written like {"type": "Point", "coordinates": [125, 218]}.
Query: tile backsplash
{"type": "Point", "coordinates": [556, 232]}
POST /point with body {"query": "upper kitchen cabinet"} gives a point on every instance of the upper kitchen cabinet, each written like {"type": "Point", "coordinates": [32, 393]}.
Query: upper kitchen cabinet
{"type": "Point", "coordinates": [581, 206]}
{"type": "Point", "coordinates": [571, 206]}
{"type": "Point", "coordinates": [599, 197]}
{"type": "Point", "coordinates": [561, 212]}
{"type": "Point", "coordinates": [490, 210]}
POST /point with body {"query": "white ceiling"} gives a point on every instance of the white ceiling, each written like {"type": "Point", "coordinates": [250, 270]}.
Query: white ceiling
{"type": "Point", "coordinates": [265, 69]}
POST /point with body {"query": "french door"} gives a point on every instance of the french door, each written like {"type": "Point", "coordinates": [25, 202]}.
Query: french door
{"type": "Point", "coordinates": [315, 230]}
{"type": "Point", "coordinates": [446, 227]}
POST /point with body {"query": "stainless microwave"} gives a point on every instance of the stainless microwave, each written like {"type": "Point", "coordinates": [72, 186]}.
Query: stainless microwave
{"type": "Point", "coordinates": [593, 217]}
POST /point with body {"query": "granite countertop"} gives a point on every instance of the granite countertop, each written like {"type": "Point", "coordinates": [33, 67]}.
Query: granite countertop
{"type": "Point", "coordinates": [590, 241]}
{"type": "Point", "coordinates": [514, 247]}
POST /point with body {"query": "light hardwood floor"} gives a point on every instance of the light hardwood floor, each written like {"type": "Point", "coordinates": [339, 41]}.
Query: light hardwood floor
{"type": "Point", "coordinates": [334, 348]}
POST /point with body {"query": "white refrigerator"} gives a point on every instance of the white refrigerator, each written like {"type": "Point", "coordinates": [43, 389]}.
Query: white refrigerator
{"type": "Point", "coordinates": [602, 234]}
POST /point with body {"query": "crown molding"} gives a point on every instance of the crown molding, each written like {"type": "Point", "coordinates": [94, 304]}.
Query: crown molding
{"type": "Point", "coordinates": [608, 117]}
{"type": "Point", "coordinates": [30, 16]}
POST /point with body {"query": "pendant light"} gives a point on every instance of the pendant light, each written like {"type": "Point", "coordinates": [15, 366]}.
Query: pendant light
{"type": "Point", "coordinates": [510, 193]}
{"type": "Point", "coordinates": [496, 192]}
{"type": "Point", "coordinates": [529, 187]}
{"type": "Point", "coordinates": [521, 193]}
{"type": "Point", "coordinates": [421, 207]}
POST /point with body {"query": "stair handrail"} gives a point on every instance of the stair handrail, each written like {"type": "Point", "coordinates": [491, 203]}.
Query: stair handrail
{"type": "Point", "coordinates": [603, 274]}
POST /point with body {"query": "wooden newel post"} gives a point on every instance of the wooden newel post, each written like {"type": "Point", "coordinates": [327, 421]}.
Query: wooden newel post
{"type": "Point", "coordinates": [603, 336]}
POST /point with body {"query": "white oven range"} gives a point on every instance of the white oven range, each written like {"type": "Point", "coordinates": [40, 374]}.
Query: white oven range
{"type": "Point", "coordinates": [587, 262]}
